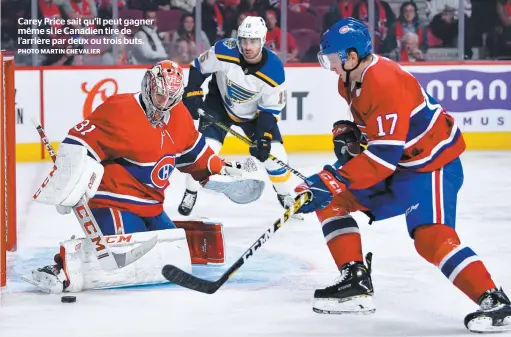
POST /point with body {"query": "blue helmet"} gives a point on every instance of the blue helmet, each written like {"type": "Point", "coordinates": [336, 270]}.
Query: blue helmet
{"type": "Point", "coordinates": [345, 34]}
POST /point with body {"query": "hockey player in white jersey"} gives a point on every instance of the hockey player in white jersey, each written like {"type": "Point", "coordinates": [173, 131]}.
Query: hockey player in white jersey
{"type": "Point", "coordinates": [246, 90]}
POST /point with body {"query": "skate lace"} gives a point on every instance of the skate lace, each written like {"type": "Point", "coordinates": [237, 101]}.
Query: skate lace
{"type": "Point", "coordinates": [188, 200]}
{"type": "Point", "coordinates": [487, 303]}
{"type": "Point", "coordinates": [490, 303]}
{"type": "Point", "coordinates": [341, 278]}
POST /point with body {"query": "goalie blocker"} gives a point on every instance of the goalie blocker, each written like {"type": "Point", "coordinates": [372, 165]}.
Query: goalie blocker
{"type": "Point", "coordinates": [77, 268]}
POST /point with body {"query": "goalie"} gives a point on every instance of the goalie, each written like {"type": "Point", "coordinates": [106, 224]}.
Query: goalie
{"type": "Point", "coordinates": [121, 158]}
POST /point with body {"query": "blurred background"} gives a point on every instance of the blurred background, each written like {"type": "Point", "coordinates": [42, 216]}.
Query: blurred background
{"type": "Point", "coordinates": [406, 31]}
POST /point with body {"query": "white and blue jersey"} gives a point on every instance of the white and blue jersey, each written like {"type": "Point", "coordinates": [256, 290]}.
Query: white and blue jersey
{"type": "Point", "coordinates": [244, 96]}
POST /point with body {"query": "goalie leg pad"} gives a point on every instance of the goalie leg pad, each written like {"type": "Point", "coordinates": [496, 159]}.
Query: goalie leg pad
{"type": "Point", "coordinates": [205, 240]}
{"type": "Point", "coordinates": [84, 272]}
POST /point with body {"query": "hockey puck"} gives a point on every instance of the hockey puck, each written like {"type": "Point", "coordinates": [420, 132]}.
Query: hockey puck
{"type": "Point", "coordinates": [68, 299]}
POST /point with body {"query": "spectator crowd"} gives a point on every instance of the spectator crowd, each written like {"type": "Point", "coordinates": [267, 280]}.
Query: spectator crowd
{"type": "Point", "coordinates": [406, 31]}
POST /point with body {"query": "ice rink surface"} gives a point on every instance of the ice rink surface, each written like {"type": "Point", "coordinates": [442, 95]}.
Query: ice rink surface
{"type": "Point", "coordinates": [270, 295]}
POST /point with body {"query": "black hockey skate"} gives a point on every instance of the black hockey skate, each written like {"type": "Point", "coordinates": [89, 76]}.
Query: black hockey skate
{"type": "Point", "coordinates": [186, 206]}
{"type": "Point", "coordinates": [351, 294]}
{"type": "Point", "coordinates": [494, 314]}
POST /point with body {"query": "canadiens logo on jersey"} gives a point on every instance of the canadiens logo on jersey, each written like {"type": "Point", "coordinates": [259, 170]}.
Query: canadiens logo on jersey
{"type": "Point", "coordinates": [161, 172]}
{"type": "Point", "coordinates": [237, 94]}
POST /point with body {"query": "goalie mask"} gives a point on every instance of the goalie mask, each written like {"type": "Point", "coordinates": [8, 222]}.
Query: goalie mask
{"type": "Point", "coordinates": [162, 89]}
{"type": "Point", "coordinates": [252, 37]}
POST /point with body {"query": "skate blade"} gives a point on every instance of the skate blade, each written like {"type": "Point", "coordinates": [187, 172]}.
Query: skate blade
{"type": "Point", "coordinates": [484, 324]}
{"type": "Point", "coordinates": [356, 305]}
{"type": "Point", "coordinates": [38, 285]}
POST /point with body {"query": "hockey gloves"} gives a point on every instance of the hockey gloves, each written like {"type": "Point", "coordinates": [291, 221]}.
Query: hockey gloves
{"type": "Point", "coordinates": [262, 139]}
{"type": "Point", "coordinates": [324, 186]}
{"type": "Point", "coordinates": [193, 100]}
{"type": "Point", "coordinates": [347, 139]}
{"type": "Point", "coordinates": [261, 148]}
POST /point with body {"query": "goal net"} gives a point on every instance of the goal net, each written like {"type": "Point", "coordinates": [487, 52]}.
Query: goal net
{"type": "Point", "coordinates": [8, 163]}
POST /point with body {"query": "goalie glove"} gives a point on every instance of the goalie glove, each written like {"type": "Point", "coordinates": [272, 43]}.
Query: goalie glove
{"type": "Point", "coordinates": [234, 169]}
{"type": "Point", "coordinates": [231, 181]}
{"type": "Point", "coordinates": [238, 168]}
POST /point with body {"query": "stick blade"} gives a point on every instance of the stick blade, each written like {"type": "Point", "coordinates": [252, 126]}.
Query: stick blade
{"type": "Point", "coordinates": [186, 280]}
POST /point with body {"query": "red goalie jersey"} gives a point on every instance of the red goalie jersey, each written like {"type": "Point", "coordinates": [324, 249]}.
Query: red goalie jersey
{"type": "Point", "coordinates": [139, 158]}
{"type": "Point", "coordinates": [407, 129]}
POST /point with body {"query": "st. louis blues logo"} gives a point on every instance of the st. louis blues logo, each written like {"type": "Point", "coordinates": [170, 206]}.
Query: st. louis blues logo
{"type": "Point", "coordinates": [162, 170]}
{"type": "Point", "coordinates": [230, 43]}
{"type": "Point", "coordinates": [237, 94]}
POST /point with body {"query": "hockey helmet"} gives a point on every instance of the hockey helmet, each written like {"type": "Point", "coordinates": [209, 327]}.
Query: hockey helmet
{"type": "Point", "coordinates": [252, 29]}
{"type": "Point", "coordinates": [162, 89]}
{"type": "Point", "coordinates": [344, 35]}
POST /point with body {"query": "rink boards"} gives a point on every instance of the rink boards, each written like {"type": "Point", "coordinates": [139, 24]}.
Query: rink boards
{"type": "Point", "coordinates": [477, 94]}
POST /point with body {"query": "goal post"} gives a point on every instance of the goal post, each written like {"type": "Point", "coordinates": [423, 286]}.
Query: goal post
{"type": "Point", "coordinates": [8, 162]}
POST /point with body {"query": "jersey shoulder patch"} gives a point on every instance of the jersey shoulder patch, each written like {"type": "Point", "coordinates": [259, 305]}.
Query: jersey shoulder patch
{"type": "Point", "coordinates": [272, 73]}
{"type": "Point", "coordinates": [226, 50]}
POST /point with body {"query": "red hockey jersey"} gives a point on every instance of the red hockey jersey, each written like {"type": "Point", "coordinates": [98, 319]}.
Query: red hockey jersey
{"type": "Point", "coordinates": [407, 129]}
{"type": "Point", "coordinates": [139, 158]}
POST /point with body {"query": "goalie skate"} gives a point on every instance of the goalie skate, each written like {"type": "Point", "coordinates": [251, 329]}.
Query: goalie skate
{"type": "Point", "coordinates": [351, 294]}
{"type": "Point", "coordinates": [494, 314]}
{"type": "Point", "coordinates": [49, 279]}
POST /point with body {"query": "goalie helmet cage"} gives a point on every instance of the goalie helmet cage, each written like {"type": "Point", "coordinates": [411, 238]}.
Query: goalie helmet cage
{"type": "Point", "coordinates": [8, 162]}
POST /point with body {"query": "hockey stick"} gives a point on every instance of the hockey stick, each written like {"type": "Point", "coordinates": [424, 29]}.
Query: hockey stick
{"type": "Point", "coordinates": [184, 279]}
{"type": "Point", "coordinates": [272, 157]}
{"type": "Point", "coordinates": [245, 139]}
{"type": "Point", "coordinates": [106, 258]}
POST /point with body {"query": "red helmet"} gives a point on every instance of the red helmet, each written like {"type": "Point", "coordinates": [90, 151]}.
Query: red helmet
{"type": "Point", "coordinates": [162, 89]}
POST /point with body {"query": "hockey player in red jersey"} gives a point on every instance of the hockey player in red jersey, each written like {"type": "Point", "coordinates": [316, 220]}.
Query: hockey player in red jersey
{"type": "Point", "coordinates": [411, 166]}
{"type": "Point", "coordinates": [131, 144]}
